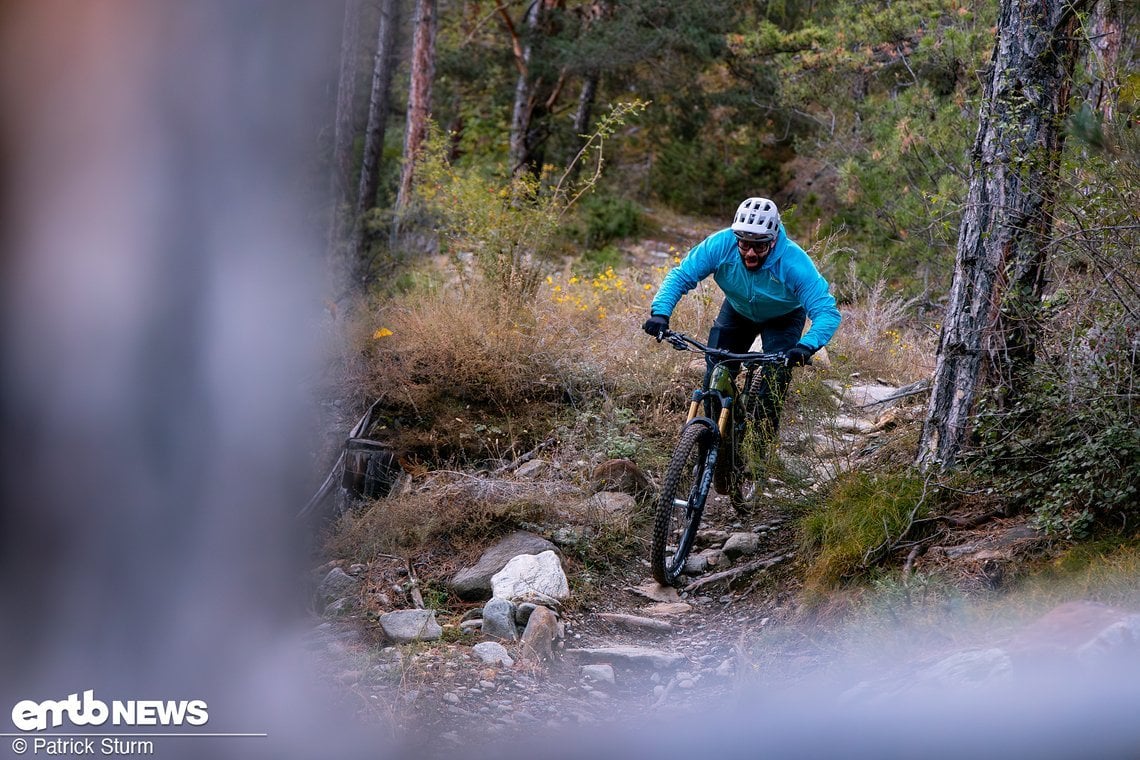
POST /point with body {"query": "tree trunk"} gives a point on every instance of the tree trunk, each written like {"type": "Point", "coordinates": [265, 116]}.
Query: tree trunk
{"type": "Point", "coordinates": [419, 95]}
{"type": "Point", "coordinates": [988, 333]}
{"type": "Point", "coordinates": [382, 69]}
{"type": "Point", "coordinates": [583, 116]}
{"type": "Point", "coordinates": [1106, 31]}
{"type": "Point", "coordinates": [339, 255]}
{"type": "Point", "coordinates": [525, 100]}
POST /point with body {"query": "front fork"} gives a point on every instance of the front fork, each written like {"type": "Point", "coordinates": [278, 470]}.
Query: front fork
{"type": "Point", "coordinates": [720, 427]}
{"type": "Point", "coordinates": [722, 420]}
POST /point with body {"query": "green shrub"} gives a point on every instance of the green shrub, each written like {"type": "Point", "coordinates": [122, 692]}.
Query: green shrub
{"type": "Point", "coordinates": [606, 218]}
{"type": "Point", "coordinates": [1071, 460]}
{"type": "Point", "coordinates": [857, 521]}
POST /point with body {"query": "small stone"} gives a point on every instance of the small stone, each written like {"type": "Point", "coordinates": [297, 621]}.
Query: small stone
{"type": "Point", "coordinates": [533, 469]}
{"type": "Point", "coordinates": [451, 698]}
{"type": "Point", "coordinates": [404, 626]}
{"type": "Point", "coordinates": [696, 564]}
{"type": "Point", "coordinates": [493, 653]}
{"type": "Point", "coordinates": [740, 544]}
{"type": "Point", "coordinates": [599, 672]}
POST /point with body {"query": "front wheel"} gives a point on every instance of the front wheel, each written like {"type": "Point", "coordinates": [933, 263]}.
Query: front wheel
{"type": "Point", "coordinates": [680, 504]}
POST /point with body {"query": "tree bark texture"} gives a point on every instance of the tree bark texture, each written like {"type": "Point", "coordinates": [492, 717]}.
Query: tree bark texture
{"type": "Point", "coordinates": [343, 128]}
{"type": "Point", "coordinates": [1106, 31]}
{"type": "Point", "coordinates": [419, 95]}
{"type": "Point", "coordinates": [988, 333]}
{"type": "Point", "coordinates": [523, 113]}
{"type": "Point", "coordinates": [378, 104]}
{"type": "Point", "coordinates": [584, 115]}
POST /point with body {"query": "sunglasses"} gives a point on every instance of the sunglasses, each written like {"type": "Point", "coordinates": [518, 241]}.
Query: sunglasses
{"type": "Point", "coordinates": [755, 245]}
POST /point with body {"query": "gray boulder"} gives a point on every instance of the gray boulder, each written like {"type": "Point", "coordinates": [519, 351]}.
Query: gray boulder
{"type": "Point", "coordinates": [337, 584]}
{"type": "Point", "coordinates": [472, 583]}
{"type": "Point", "coordinates": [499, 619]}
{"type": "Point", "coordinates": [406, 626]}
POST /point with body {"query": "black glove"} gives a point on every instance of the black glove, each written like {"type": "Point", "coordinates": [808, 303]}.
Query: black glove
{"type": "Point", "coordinates": [798, 355]}
{"type": "Point", "coordinates": [656, 325]}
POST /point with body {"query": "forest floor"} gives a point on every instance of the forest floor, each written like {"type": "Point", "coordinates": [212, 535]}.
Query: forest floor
{"type": "Point", "coordinates": [754, 633]}
{"type": "Point", "coordinates": [737, 646]}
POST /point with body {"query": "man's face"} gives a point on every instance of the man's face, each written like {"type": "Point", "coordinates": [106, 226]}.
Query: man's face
{"type": "Point", "coordinates": [753, 252]}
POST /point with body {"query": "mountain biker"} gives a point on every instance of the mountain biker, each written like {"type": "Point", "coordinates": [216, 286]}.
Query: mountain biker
{"type": "Point", "coordinates": [771, 287]}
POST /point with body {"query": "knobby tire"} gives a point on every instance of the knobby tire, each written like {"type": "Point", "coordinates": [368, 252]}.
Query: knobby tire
{"type": "Point", "coordinates": [679, 523]}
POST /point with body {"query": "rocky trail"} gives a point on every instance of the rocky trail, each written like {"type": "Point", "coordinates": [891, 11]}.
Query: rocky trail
{"type": "Point", "coordinates": [637, 654]}
{"type": "Point", "coordinates": [543, 646]}
{"type": "Point", "coordinates": [629, 653]}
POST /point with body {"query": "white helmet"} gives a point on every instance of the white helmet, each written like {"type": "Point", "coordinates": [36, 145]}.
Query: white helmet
{"type": "Point", "coordinates": [757, 219]}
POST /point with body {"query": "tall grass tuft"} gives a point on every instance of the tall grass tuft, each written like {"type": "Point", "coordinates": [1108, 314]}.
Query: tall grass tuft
{"type": "Point", "coordinates": [861, 515]}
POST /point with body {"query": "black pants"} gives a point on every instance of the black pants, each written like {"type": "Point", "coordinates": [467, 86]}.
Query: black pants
{"type": "Point", "coordinates": [736, 333]}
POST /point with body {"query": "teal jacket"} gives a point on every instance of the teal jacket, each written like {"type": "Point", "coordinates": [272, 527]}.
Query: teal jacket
{"type": "Point", "coordinates": [787, 280]}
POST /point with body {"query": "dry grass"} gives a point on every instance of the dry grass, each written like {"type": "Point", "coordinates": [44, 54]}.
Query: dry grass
{"type": "Point", "coordinates": [460, 383]}
{"type": "Point", "coordinates": [458, 513]}
{"type": "Point", "coordinates": [880, 337]}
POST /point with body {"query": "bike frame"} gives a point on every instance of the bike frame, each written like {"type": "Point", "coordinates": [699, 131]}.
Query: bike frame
{"type": "Point", "coordinates": [718, 384]}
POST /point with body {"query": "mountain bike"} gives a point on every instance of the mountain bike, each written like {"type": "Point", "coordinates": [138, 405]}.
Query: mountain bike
{"type": "Point", "coordinates": [709, 452]}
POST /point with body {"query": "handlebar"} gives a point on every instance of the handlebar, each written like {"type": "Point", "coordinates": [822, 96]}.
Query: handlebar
{"type": "Point", "coordinates": [683, 342]}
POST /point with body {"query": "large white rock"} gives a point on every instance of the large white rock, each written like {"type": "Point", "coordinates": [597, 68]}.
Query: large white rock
{"type": "Point", "coordinates": [531, 578]}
